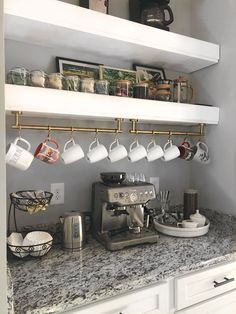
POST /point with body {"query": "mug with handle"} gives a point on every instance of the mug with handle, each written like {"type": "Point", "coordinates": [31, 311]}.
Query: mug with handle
{"type": "Point", "coordinates": [96, 153]}
{"type": "Point", "coordinates": [171, 151]}
{"type": "Point", "coordinates": [154, 151]}
{"type": "Point", "coordinates": [73, 153]}
{"type": "Point", "coordinates": [19, 157]}
{"type": "Point", "coordinates": [186, 151]}
{"type": "Point", "coordinates": [118, 152]}
{"type": "Point", "coordinates": [201, 151]}
{"type": "Point", "coordinates": [136, 151]}
{"type": "Point", "coordinates": [46, 152]}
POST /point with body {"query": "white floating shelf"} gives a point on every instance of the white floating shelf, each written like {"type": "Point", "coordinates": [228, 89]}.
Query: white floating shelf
{"type": "Point", "coordinates": [45, 102]}
{"type": "Point", "coordinates": [57, 24]}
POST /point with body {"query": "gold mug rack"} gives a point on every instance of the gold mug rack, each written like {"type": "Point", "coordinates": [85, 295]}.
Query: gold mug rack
{"type": "Point", "coordinates": [117, 130]}
{"type": "Point", "coordinates": [20, 126]}
{"type": "Point", "coordinates": [134, 130]}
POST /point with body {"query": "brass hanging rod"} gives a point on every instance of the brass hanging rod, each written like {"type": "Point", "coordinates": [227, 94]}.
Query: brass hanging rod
{"type": "Point", "coordinates": [20, 126]}
{"type": "Point", "coordinates": [134, 130]}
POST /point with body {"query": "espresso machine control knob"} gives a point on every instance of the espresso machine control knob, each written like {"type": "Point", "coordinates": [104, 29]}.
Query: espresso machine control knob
{"type": "Point", "coordinates": [133, 197]}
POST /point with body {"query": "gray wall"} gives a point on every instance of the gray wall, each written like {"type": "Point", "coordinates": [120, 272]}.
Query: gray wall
{"type": "Point", "coordinates": [78, 177]}
{"type": "Point", "coordinates": [215, 22]}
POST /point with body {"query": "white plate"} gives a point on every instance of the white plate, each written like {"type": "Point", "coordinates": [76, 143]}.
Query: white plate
{"type": "Point", "coordinates": [181, 232]}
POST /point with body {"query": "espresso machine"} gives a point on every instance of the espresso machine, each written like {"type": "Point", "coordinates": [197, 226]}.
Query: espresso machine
{"type": "Point", "coordinates": [118, 212]}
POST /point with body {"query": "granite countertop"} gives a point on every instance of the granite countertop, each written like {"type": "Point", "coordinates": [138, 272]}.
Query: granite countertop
{"type": "Point", "coordinates": [63, 281]}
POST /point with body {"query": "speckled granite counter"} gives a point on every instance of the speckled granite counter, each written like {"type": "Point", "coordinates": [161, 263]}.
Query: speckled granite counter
{"type": "Point", "coordinates": [62, 281]}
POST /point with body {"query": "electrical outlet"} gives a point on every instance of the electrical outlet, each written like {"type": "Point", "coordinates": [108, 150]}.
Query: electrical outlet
{"type": "Point", "coordinates": [156, 182]}
{"type": "Point", "coordinates": [58, 193]}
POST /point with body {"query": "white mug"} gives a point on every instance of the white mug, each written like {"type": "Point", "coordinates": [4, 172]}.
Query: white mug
{"type": "Point", "coordinates": [96, 153]}
{"type": "Point", "coordinates": [73, 153]}
{"type": "Point", "coordinates": [118, 152]}
{"type": "Point", "coordinates": [170, 151]}
{"type": "Point", "coordinates": [187, 224]}
{"type": "Point", "coordinates": [155, 152]}
{"type": "Point", "coordinates": [137, 152]}
{"type": "Point", "coordinates": [201, 153]}
{"type": "Point", "coordinates": [19, 157]}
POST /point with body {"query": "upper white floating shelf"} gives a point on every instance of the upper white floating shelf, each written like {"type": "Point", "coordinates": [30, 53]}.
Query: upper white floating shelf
{"type": "Point", "coordinates": [53, 23]}
{"type": "Point", "coordinates": [45, 102]}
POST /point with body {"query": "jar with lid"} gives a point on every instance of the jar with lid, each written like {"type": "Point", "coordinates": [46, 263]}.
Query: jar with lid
{"type": "Point", "coordinates": [38, 78]}
{"type": "Point", "coordinates": [18, 76]}
{"type": "Point", "coordinates": [141, 90]}
{"type": "Point", "coordinates": [102, 87]}
{"type": "Point", "coordinates": [123, 88]}
{"type": "Point", "coordinates": [87, 85]}
{"type": "Point", "coordinates": [164, 90]}
{"type": "Point", "coordinates": [55, 80]}
{"type": "Point", "coordinates": [72, 83]}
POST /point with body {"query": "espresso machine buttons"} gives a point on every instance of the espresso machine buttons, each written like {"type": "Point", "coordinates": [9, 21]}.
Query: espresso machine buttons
{"type": "Point", "coordinates": [121, 195]}
{"type": "Point", "coordinates": [133, 197]}
{"type": "Point", "coordinates": [116, 195]}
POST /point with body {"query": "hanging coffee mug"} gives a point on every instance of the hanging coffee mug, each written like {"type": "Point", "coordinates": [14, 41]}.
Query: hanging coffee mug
{"type": "Point", "coordinates": [154, 151]}
{"type": "Point", "coordinates": [117, 152]}
{"type": "Point", "coordinates": [136, 152]}
{"type": "Point", "coordinates": [19, 157]}
{"type": "Point", "coordinates": [201, 153]}
{"type": "Point", "coordinates": [170, 151]}
{"type": "Point", "coordinates": [186, 151]}
{"type": "Point", "coordinates": [96, 153]}
{"type": "Point", "coordinates": [46, 152]}
{"type": "Point", "coordinates": [72, 153]}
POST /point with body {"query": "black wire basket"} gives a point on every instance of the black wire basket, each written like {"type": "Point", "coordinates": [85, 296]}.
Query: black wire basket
{"type": "Point", "coordinates": [23, 202]}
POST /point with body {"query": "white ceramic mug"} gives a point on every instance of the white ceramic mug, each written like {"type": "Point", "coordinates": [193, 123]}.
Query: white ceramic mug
{"type": "Point", "coordinates": [201, 153]}
{"type": "Point", "coordinates": [118, 152]}
{"type": "Point", "coordinates": [73, 153]}
{"type": "Point", "coordinates": [19, 157]}
{"type": "Point", "coordinates": [170, 151]}
{"type": "Point", "coordinates": [154, 151]}
{"type": "Point", "coordinates": [187, 224]}
{"type": "Point", "coordinates": [136, 151]}
{"type": "Point", "coordinates": [96, 153]}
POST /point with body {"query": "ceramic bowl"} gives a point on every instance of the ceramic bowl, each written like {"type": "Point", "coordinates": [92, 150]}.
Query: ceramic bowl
{"type": "Point", "coordinates": [39, 242]}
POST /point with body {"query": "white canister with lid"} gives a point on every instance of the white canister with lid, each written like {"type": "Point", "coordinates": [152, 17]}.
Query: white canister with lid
{"type": "Point", "coordinates": [197, 217]}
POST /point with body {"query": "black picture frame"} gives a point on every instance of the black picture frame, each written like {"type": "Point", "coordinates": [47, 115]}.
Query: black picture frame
{"type": "Point", "coordinates": [147, 73]}
{"type": "Point", "coordinates": [81, 68]}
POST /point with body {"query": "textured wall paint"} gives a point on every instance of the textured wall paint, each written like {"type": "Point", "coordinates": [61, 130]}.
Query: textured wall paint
{"type": "Point", "coordinates": [216, 182]}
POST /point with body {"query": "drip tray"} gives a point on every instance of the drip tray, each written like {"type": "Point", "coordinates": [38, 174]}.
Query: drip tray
{"type": "Point", "coordinates": [125, 239]}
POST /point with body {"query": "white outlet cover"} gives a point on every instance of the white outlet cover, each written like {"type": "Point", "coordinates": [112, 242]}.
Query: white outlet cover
{"type": "Point", "coordinates": [58, 193]}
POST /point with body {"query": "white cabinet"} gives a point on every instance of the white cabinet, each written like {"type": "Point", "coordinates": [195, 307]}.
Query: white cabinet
{"type": "Point", "coordinates": [151, 300]}
{"type": "Point", "coordinates": [224, 304]}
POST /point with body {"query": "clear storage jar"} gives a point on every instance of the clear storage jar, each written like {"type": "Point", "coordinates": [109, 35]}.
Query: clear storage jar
{"type": "Point", "coordinates": [18, 76]}
{"type": "Point", "coordinates": [72, 83]}
{"type": "Point", "coordinates": [123, 88]}
{"type": "Point", "coordinates": [87, 85]}
{"type": "Point", "coordinates": [55, 80]}
{"type": "Point", "coordinates": [102, 87]}
{"type": "Point", "coordinates": [38, 78]}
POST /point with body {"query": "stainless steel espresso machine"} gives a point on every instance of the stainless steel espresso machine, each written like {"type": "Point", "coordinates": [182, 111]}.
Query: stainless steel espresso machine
{"type": "Point", "coordinates": [118, 212]}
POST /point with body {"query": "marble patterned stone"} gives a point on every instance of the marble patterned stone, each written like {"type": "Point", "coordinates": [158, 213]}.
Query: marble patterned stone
{"type": "Point", "coordinates": [63, 281]}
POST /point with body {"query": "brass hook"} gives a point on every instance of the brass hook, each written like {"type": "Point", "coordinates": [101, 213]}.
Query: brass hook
{"type": "Point", "coordinates": [49, 132]}
{"type": "Point", "coordinates": [19, 131]}
{"type": "Point", "coordinates": [153, 136]}
{"type": "Point", "coordinates": [71, 132]}
{"type": "Point", "coordinates": [169, 137]}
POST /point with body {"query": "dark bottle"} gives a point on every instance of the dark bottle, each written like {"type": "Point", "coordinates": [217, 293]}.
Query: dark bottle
{"type": "Point", "coordinates": [190, 202]}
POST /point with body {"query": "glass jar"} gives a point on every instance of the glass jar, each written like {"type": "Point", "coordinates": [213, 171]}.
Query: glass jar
{"type": "Point", "coordinates": [72, 83]}
{"type": "Point", "coordinates": [141, 90]}
{"type": "Point", "coordinates": [38, 78]}
{"type": "Point", "coordinates": [123, 88]}
{"type": "Point", "coordinates": [87, 85]}
{"type": "Point", "coordinates": [164, 90]}
{"type": "Point", "coordinates": [102, 87]}
{"type": "Point", "coordinates": [55, 80]}
{"type": "Point", "coordinates": [152, 91]}
{"type": "Point", "coordinates": [18, 76]}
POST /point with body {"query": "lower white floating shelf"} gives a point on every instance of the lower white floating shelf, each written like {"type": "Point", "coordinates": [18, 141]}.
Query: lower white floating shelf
{"type": "Point", "coordinates": [41, 102]}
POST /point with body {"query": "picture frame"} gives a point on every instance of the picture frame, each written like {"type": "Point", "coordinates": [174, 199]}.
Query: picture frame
{"type": "Point", "coordinates": [96, 5]}
{"type": "Point", "coordinates": [77, 67]}
{"type": "Point", "coordinates": [149, 74]}
{"type": "Point", "coordinates": [112, 74]}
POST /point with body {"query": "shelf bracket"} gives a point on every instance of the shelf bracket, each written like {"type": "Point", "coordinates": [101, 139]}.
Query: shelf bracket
{"type": "Point", "coordinates": [19, 126]}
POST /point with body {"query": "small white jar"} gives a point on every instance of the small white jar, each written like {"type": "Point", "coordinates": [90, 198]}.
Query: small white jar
{"type": "Point", "coordinates": [200, 219]}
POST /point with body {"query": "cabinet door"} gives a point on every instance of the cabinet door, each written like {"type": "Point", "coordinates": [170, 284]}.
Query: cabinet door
{"type": "Point", "coordinates": [151, 300]}
{"type": "Point", "coordinates": [223, 304]}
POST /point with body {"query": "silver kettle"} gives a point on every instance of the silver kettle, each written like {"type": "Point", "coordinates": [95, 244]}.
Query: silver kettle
{"type": "Point", "coordinates": [73, 231]}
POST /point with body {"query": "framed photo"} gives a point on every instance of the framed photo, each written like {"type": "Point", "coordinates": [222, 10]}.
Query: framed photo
{"type": "Point", "coordinates": [77, 67]}
{"type": "Point", "coordinates": [113, 74]}
{"type": "Point", "coordinates": [149, 74]}
{"type": "Point", "coordinates": [97, 5]}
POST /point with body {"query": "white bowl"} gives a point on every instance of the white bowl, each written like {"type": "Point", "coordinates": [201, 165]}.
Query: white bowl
{"type": "Point", "coordinates": [15, 244]}
{"type": "Point", "coordinates": [38, 242]}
